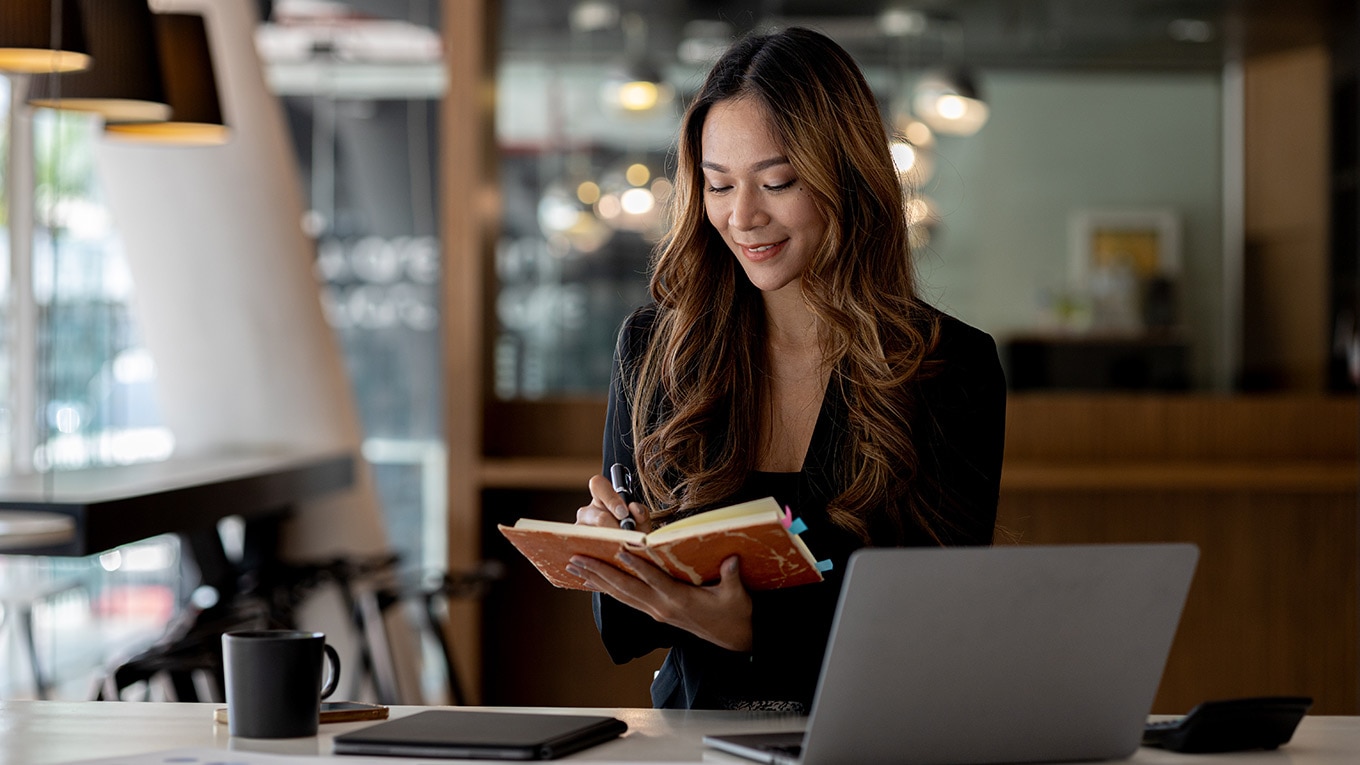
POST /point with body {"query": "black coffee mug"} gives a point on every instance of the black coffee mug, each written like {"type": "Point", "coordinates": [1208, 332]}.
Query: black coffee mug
{"type": "Point", "coordinates": [274, 682]}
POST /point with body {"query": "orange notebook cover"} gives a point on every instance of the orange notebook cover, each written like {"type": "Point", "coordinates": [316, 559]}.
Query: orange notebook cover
{"type": "Point", "coordinates": [691, 549]}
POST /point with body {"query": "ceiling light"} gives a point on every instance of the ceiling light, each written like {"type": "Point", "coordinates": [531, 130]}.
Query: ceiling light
{"type": "Point", "coordinates": [638, 95]}
{"type": "Point", "coordinates": [557, 211]}
{"type": "Point", "coordinates": [42, 36]}
{"type": "Point", "coordinates": [662, 189]}
{"type": "Point", "coordinates": [637, 201]}
{"type": "Point", "coordinates": [594, 15]}
{"type": "Point", "coordinates": [903, 156]}
{"type": "Point", "coordinates": [628, 203]}
{"type": "Point", "coordinates": [568, 216]}
{"type": "Point", "coordinates": [190, 86]}
{"type": "Point", "coordinates": [635, 89]}
{"type": "Point", "coordinates": [1191, 30]}
{"type": "Point", "coordinates": [638, 85]}
{"type": "Point", "coordinates": [919, 211]}
{"type": "Point", "coordinates": [918, 133]}
{"type": "Point", "coordinates": [608, 207]}
{"type": "Point", "coordinates": [913, 151]}
{"type": "Point", "coordinates": [638, 174]}
{"type": "Point", "coordinates": [588, 192]}
{"type": "Point", "coordinates": [950, 103]}
{"type": "Point", "coordinates": [922, 219]}
{"type": "Point", "coordinates": [902, 22]}
{"type": "Point", "coordinates": [124, 83]}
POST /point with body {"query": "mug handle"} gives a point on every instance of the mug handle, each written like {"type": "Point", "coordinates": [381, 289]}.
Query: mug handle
{"type": "Point", "coordinates": [333, 676]}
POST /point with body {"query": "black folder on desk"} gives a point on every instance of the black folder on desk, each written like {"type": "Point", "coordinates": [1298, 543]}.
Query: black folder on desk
{"type": "Point", "coordinates": [482, 735]}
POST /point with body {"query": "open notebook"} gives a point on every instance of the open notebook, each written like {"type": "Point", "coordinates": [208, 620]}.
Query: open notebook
{"type": "Point", "coordinates": [961, 656]}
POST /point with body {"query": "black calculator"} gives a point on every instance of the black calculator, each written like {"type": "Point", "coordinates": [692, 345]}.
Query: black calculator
{"type": "Point", "coordinates": [1231, 725]}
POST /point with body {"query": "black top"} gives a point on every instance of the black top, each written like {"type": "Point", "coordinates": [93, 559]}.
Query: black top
{"type": "Point", "coordinates": [959, 426]}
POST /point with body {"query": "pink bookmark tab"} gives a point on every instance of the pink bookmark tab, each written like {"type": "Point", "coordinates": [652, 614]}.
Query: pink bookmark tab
{"type": "Point", "coordinates": [788, 516]}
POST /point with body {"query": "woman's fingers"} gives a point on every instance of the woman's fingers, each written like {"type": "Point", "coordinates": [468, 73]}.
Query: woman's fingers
{"type": "Point", "coordinates": [591, 515]}
{"type": "Point", "coordinates": [719, 613]}
{"type": "Point", "coordinates": [603, 493]}
{"type": "Point", "coordinates": [600, 511]}
{"type": "Point", "coordinates": [642, 520]}
{"type": "Point", "coordinates": [604, 577]}
{"type": "Point", "coordinates": [606, 508]}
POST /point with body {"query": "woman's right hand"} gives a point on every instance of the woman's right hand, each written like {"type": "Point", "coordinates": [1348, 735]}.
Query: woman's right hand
{"type": "Point", "coordinates": [606, 508]}
{"type": "Point", "coordinates": [719, 613]}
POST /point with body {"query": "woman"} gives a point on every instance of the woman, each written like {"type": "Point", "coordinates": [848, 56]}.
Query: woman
{"type": "Point", "coordinates": [787, 354]}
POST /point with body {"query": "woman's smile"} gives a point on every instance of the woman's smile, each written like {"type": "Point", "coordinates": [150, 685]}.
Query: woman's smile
{"type": "Point", "coordinates": [762, 252]}
{"type": "Point", "coordinates": [754, 198]}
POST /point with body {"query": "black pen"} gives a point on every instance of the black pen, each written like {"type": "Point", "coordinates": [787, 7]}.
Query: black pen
{"type": "Point", "coordinates": [622, 479]}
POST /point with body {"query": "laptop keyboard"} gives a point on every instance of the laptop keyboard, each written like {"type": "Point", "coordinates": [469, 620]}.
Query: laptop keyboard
{"type": "Point", "coordinates": [789, 750]}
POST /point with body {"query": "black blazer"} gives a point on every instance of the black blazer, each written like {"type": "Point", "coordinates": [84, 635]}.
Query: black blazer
{"type": "Point", "coordinates": [959, 429]}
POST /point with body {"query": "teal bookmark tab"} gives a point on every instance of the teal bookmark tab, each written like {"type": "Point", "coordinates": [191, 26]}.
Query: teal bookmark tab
{"type": "Point", "coordinates": [825, 565]}
{"type": "Point", "coordinates": [797, 526]}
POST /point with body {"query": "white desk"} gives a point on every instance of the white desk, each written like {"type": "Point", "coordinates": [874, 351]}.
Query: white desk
{"type": "Point", "coordinates": [46, 732]}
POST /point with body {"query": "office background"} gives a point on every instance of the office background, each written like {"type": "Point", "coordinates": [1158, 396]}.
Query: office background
{"type": "Point", "coordinates": [435, 155]}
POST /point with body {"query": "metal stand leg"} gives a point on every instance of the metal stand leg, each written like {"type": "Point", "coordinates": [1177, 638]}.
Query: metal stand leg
{"type": "Point", "coordinates": [23, 613]}
{"type": "Point", "coordinates": [379, 647]}
{"type": "Point", "coordinates": [436, 627]}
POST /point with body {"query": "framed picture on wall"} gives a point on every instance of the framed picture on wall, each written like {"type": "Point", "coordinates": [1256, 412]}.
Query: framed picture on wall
{"type": "Point", "coordinates": [1128, 265]}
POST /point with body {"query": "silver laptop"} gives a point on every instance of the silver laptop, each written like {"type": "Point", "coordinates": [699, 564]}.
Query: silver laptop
{"type": "Point", "coordinates": [960, 656]}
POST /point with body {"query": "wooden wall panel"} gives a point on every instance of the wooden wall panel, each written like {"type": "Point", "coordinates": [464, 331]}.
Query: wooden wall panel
{"type": "Point", "coordinates": [1265, 485]}
{"type": "Point", "coordinates": [1286, 270]}
{"type": "Point", "coordinates": [467, 216]}
{"type": "Point", "coordinates": [1273, 606]}
{"type": "Point", "coordinates": [552, 428]}
{"type": "Point", "coordinates": [1109, 428]}
{"type": "Point", "coordinates": [1040, 427]}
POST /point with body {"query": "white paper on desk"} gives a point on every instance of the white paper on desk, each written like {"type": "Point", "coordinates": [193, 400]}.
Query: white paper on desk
{"type": "Point", "coordinates": [210, 756]}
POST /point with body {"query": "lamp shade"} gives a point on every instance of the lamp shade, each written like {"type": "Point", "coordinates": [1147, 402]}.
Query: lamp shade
{"type": "Point", "coordinates": [950, 102]}
{"type": "Point", "coordinates": [637, 87]}
{"type": "Point", "coordinates": [190, 87]}
{"type": "Point", "coordinates": [123, 84]}
{"type": "Point", "coordinates": [42, 36]}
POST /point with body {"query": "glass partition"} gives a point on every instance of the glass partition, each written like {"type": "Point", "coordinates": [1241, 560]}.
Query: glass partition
{"type": "Point", "coordinates": [79, 391]}
{"type": "Point", "coordinates": [1078, 212]}
{"type": "Point", "coordinates": [93, 380]}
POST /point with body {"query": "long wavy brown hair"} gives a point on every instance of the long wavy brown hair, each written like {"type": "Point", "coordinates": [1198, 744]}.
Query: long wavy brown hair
{"type": "Point", "coordinates": [699, 390]}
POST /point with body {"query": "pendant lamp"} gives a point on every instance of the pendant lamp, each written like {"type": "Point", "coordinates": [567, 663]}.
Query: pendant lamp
{"type": "Point", "coordinates": [950, 102]}
{"type": "Point", "coordinates": [190, 87]}
{"type": "Point", "coordinates": [124, 82]}
{"type": "Point", "coordinates": [42, 36]}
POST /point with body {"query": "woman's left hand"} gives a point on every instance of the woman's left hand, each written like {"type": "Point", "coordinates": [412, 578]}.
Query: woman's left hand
{"type": "Point", "coordinates": [719, 613]}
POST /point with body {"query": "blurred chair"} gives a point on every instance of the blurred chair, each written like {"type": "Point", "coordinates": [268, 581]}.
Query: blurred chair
{"type": "Point", "coordinates": [372, 588]}
{"type": "Point", "coordinates": [189, 657]}
{"type": "Point", "coordinates": [26, 530]}
{"type": "Point", "coordinates": [17, 601]}
{"type": "Point", "coordinates": [434, 594]}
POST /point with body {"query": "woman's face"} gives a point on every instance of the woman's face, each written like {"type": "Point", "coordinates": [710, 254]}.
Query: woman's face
{"type": "Point", "coordinates": [754, 198]}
